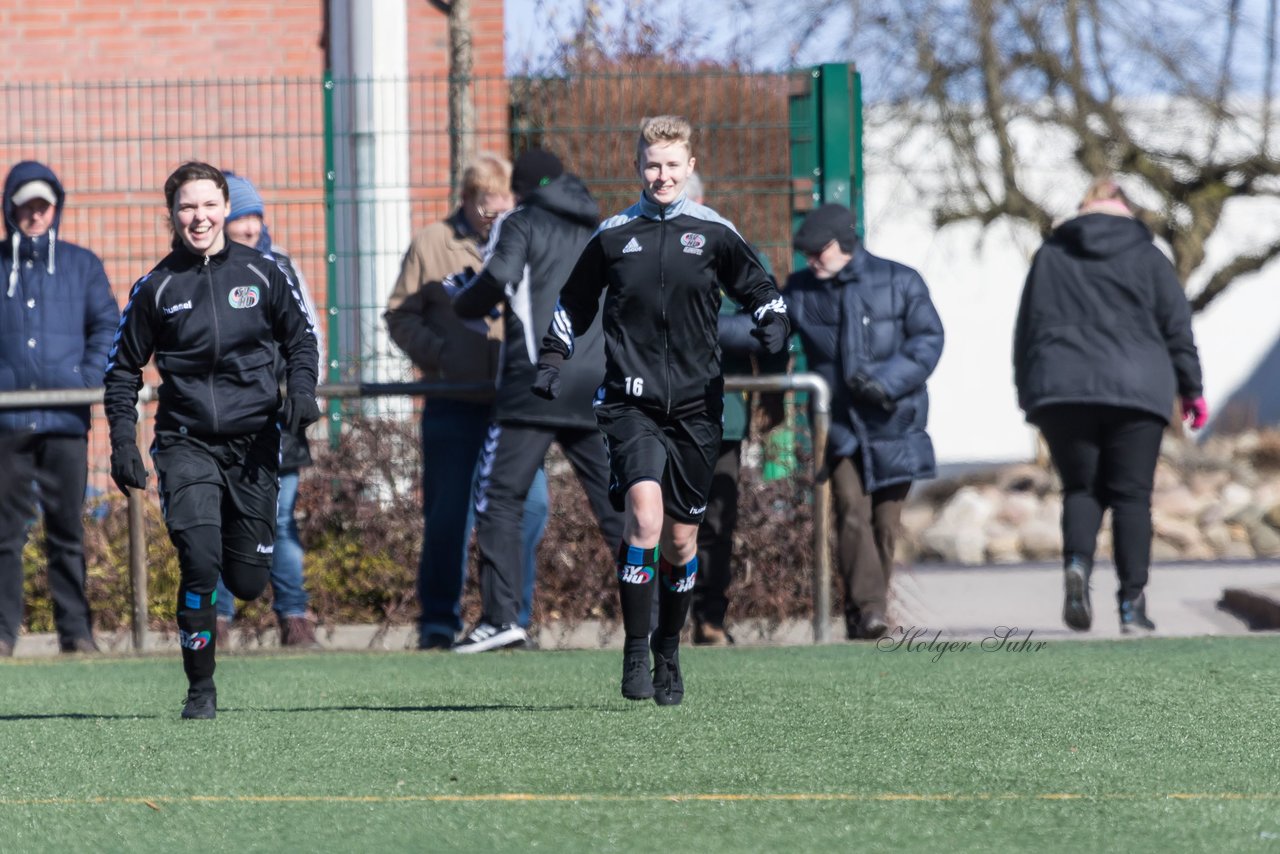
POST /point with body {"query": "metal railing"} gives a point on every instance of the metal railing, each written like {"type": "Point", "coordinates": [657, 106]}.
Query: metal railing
{"type": "Point", "coordinates": [820, 407]}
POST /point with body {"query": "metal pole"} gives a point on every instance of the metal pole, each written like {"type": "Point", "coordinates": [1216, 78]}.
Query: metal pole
{"type": "Point", "coordinates": [821, 409]}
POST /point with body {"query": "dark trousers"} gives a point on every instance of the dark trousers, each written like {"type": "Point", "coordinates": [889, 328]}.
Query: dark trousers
{"type": "Point", "coordinates": [63, 460]}
{"type": "Point", "coordinates": [715, 538]}
{"type": "Point", "coordinates": [513, 454]}
{"type": "Point", "coordinates": [866, 533]}
{"type": "Point", "coordinates": [1106, 457]}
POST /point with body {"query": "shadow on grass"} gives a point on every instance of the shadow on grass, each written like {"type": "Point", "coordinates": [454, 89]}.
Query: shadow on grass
{"type": "Point", "coordinates": [495, 707]}
{"type": "Point", "coordinates": [72, 716]}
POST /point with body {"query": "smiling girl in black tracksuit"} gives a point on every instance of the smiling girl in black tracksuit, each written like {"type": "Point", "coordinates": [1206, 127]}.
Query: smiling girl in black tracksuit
{"type": "Point", "coordinates": [661, 263]}
{"type": "Point", "coordinates": [212, 312]}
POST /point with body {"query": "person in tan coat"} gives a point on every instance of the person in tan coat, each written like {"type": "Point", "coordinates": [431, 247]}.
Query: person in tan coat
{"type": "Point", "coordinates": [422, 323]}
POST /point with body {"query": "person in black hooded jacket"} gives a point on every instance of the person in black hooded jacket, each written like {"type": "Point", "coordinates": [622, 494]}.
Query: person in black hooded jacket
{"type": "Point", "coordinates": [213, 313]}
{"type": "Point", "coordinates": [531, 251]}
{"type": "Point", "coordinates": [1103, 345]}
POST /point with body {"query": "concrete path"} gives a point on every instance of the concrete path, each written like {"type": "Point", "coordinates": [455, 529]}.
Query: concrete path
{"type": "Point", "coordinates": [961, 602]}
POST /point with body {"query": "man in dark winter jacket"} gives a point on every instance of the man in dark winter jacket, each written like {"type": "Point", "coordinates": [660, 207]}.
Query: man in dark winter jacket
{"type": "Point", "coordinates": [532, 249]}
{"type": "Point", "coordinates": [57, 317]}
{"type": "Point", "coordinates": [870, 329]}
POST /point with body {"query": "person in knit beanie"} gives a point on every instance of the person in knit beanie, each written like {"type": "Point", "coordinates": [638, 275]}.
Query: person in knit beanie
{"type": "Point", "coordinates": [246, 224]}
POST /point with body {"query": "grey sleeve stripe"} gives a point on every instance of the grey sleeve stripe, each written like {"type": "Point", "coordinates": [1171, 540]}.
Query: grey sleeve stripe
{"type": "Point", "coordinates": [160, 289]}
{"type": "Point", "coordinates": [261, 275]}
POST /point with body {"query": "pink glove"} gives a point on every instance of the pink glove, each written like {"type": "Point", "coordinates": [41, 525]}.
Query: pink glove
{"type": "Point", "coordinates": [1195, 410]}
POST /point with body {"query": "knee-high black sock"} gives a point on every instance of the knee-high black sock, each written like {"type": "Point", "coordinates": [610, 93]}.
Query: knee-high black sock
{"type": "Point", "coordinates": [636, 568]}
{"type": "Point", "coordinates": [675, 592]}
{"type": "Point", "coordinates": [197, 632]}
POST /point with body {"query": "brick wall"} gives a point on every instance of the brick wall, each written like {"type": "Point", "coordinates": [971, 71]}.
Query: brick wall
{"type": "Point", "coordinates": [113, 94]}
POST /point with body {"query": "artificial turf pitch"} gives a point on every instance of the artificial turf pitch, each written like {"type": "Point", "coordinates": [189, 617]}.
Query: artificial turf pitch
{"type": "Point", "coordinates": [1150, 745]}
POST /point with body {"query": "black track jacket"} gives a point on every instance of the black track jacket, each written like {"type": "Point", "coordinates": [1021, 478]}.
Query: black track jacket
{"type": "Point", "coordinates": [663, 269]}
{"type": "Point", "coordinates": [531, 251]}
{"type": "Point", "coordinates": [213, 324]}
{"type": "Point", "coordinates": [1104, 320]}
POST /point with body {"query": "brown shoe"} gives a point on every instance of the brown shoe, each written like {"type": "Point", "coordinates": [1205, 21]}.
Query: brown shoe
{"type": "Point", "coordinates": [299, 632]}
{"type": "Point", "coordinates": [873, 626]}
{"type": "Point", "coordinates": [82, 644]}
{"type": "Point", "coordinates": [709, 634]}
{"type": "Point", "coordinates": [6, 649]}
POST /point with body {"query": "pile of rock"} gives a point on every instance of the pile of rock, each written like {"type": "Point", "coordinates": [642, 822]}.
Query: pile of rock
{"type": "Point", "coordinates": [1220, 500]}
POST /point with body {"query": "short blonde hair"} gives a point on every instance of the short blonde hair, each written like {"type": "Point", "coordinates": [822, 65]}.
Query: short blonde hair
{"type": "Point", "coordinates": [486, 173]}
{"type": "Point", "coordinates": [1105, 189]}
{"type": "Point", "coordinates": [664, 130]}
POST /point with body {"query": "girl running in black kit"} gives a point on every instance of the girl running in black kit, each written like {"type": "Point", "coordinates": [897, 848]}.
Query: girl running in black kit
{"type": "Point", "coordinates": [212, 312]}
{"type": "Point", "coordinates": [662, 263]}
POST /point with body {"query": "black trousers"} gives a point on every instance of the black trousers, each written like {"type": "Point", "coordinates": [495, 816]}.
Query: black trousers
{"type": "Point", "coordinates": [64, 462]}
{"type": "Point", "coordinates": [715, 537]}
{"type": "Point", "coordinates": [219, 501]}
{"type": "Point", "coordinates": [512, 455]}
{"type": "Point", "coordinates": [1106, 457]}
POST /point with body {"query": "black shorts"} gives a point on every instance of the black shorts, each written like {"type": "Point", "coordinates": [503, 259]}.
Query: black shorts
{"type": "Point", "coordinates": [679, 453]}
{"type": "Point", "coordinates": [230, 482]}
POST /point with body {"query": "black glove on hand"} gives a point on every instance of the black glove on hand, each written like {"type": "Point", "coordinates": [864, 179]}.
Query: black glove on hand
{"type": "Point", "coordinates": [299, 412]}
{"type": "Point", "coordinates": [547, 384]}
{"type": "Point", "coordinates": [773, 331]}
{"type": "Point", "coordinates": [127, 469]}
{"type": "Point", "coordinates": [867, 390]}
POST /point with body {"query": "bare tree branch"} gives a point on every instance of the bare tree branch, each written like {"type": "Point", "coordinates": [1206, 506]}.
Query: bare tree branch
{"type": "Point", "coordinates": [1238, 266]}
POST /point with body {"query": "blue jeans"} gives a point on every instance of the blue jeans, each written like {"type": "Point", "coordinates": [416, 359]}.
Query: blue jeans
{"type": "Point", "coordinates": [453, 434]}
{"type": "Point", "coordinates": [289, 598]}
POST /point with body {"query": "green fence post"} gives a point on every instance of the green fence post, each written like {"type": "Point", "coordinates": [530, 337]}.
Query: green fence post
{"type": "Point", "coordinates": [331, 258]}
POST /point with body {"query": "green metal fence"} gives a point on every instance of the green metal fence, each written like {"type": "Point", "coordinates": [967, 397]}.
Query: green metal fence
{"type": "Point", "coordinates": [350, 169]}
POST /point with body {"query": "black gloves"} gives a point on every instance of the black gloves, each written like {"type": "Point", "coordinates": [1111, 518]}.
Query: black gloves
{"type": "Point", "coordinates": [772, 332]}
{"type": "Point", "coordinates": [127, 469]}
{"type": "Point", "coordinates": [299, 412]}
{"type": "Point", "coordinates": [868, 391]}
{"type": "Point", "coordinates": [547, 384]}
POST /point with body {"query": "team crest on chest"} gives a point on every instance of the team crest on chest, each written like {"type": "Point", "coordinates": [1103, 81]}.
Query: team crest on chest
{"type": "Point", "coordinates": [244, 296]}
{"type": "Point", "coordinates": [692, 242]}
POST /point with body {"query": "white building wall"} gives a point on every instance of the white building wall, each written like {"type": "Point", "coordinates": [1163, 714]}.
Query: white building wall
{"type": "Point", "coordinates": [976, 276]}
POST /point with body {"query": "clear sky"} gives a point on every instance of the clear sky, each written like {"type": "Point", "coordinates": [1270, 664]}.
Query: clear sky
{"type": "Point", "coordinates": [722, 28]}
{"type": "Point", "coordinates": [763, 32]}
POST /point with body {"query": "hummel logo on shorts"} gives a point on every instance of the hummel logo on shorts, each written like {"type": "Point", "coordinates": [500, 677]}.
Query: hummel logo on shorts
{"type": "Point", "coordinates": [633, 245]}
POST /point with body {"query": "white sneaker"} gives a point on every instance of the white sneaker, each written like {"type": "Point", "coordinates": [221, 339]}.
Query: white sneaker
{"type": "Point", "coordinates": [485, 637]}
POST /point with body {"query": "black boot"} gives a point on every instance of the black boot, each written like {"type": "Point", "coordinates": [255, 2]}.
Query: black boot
{"type": "Point", "coordinates": [637, 684]}
{"type": "Point", "coordinates": [1077, 611]}
{"type": "Point", "coordinates": [1133, 616]}
{"type": "Point", "coordinates": [668, 682]}
{"type": "Point", "coordinates": [202, 702]}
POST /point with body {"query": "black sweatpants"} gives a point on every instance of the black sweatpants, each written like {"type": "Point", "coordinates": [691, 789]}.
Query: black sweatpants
{"type": "Point", "coordinates": [512, 455]}
{"type": "Point", "coordinates": [219, 501]}
{"type": "Point", "coordinates": [1106, 457]}
{"type": "Point", "coordinates": [64, 460]}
